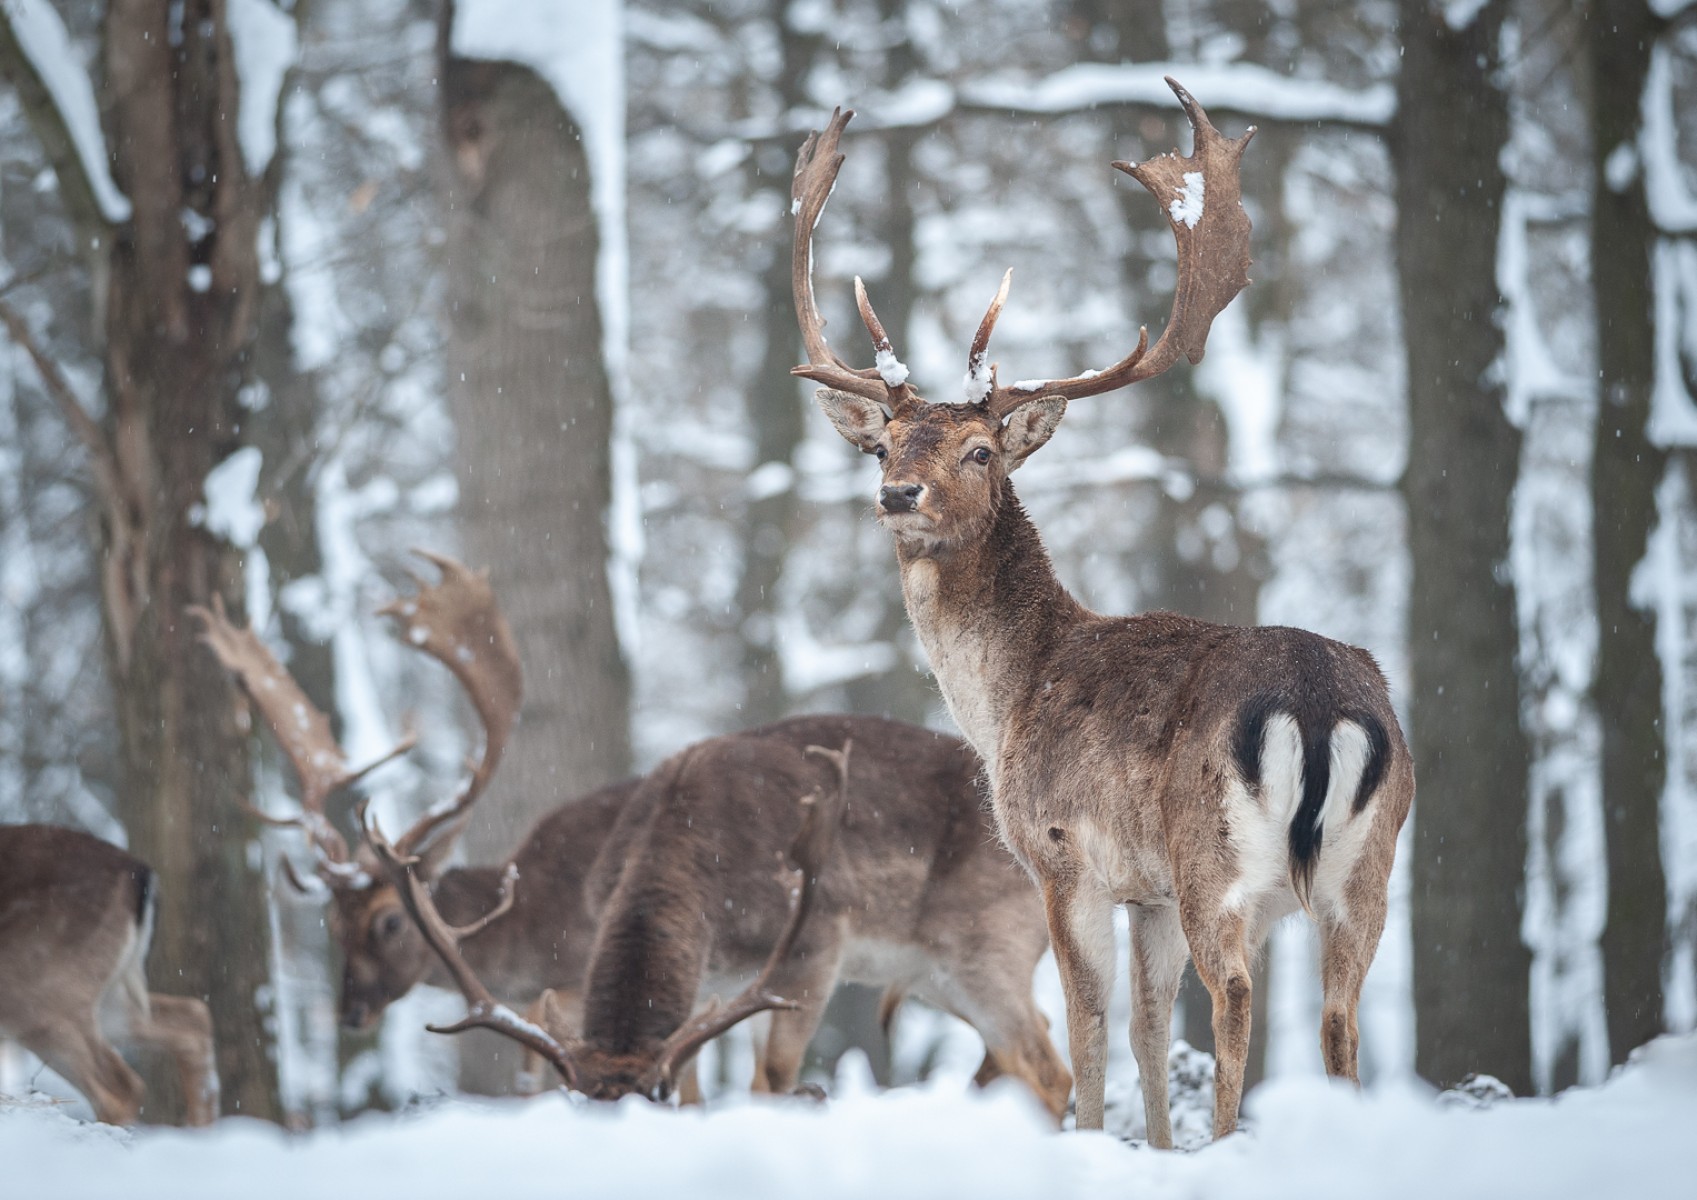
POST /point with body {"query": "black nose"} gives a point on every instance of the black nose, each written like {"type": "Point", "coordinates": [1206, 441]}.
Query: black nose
{"type": "Point", "coordinates": [900, 497]}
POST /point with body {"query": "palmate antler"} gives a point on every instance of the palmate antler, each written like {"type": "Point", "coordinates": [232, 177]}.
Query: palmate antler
{"type": "Point", "coordinates": [1201, 196]}
{"type": "Point", "coordinates": [456, 621]}
{"type": "Point", "coordinates": [302, 733]}
{"type": "Point", "coordinates": [799, 872]}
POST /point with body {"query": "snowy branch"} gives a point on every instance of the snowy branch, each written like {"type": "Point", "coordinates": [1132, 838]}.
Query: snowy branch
{"type": "Point", "coordinates": [1239, 89]}
{"type": "Point", "coordinates": [37, 57]}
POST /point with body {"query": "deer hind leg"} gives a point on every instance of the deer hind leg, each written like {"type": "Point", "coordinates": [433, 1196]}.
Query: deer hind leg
{"type": "Point", "coordinates": [1081, 930]}
{"type": "Point", "coordinates": [1347, 945]}
{"type": "Point", "coordinates": [88, 1062]}
{"type": "Point", "coordinates": [1158, 955]}
{"type": "Point", "coordinates": [1219, 947]}
{"type": "Point", "coordinates": [182, 1027]}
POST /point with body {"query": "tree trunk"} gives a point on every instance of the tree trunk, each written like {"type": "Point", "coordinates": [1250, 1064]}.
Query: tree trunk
{"type": "Point", "coordinates": [776, 417]}
{"type": "Point", "coordinates": [533, 408]}
{"type": "Point", "coordinates": [178, 319]}
{"type": "Point", "coordinates": [1625, 472]}
{"type": "Point", "coordinates": [1471, 969]}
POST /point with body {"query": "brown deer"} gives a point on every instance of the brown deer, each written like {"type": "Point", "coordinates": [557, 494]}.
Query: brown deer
{"type": "Point", "coordinates": [918, 897]}
{"type": "Point", "coordinates": [581, 1066]}
{"type": "Point", "coordinates": [541, 934]}
{"type": "Point", "coordinates": [913, 896]}
{"type": "Point", "coordinates": [76, 917]}
{"type": "Point", "coordinates": [1210, 778]}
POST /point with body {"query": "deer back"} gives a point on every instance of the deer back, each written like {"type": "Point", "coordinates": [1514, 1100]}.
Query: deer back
{"type": "Point", "coordinates": [693, 890]}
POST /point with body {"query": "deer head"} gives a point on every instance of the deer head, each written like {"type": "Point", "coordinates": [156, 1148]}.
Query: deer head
{"type": "Point", "coordinates": [944, 464]}
{"type": "Point", "coordinates": [590, 1070]}
{"type": "Point", "coordinates": [457, 622]}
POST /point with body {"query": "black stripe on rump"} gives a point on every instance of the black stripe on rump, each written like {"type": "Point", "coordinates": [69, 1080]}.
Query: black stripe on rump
{"type": "Point", "coordinates": [1378, 757]}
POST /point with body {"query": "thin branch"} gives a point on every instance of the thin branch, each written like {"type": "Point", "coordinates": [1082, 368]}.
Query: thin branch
{"type": "Point", "coordinates": [58, 387]}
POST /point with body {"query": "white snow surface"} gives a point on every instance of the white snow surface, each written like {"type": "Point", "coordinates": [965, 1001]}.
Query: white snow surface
{"type": "Point", "coordinates": [263, 37]}
{"type": "Point", "coordinates": [42, 36]}
{"type": "Point", "coordinates": [1306, 1139]}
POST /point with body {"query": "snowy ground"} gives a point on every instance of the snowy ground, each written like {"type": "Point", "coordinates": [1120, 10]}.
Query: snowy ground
{"type": "Point", "coordinates": [1630, 1137]}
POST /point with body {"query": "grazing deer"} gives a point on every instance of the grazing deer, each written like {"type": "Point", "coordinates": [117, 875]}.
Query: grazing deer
{"type": "Point", "coordinates": [918, 896]}
{"type": "Point", "coordinates": [540, 938]}
{"type": "Point", "coordinates": [76, 917]}
{"type": "Point", "coordinates": [1210, 778]}
{"type": "Point", "coordinates": [913, 896]}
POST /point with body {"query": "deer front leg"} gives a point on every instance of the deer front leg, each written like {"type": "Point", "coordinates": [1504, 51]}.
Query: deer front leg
{"type": "Point", "coordinates": [1158, 955]}
{"type": "Point", "coordinates": [1081, 929]}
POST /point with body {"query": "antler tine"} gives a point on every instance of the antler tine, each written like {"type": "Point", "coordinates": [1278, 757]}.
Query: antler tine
{"type": "Point", "coordinates": [805, 862]}
{"type": "Point", "coordinates": [483, 1010]}
{"type": "Point", "coordinates": [458, 622]}
{"type": "Point", "coordinates": [816, 168]}
{"type": "Point", "coordinates": [1201, 196]}
{"type": "Point", "coordinates": [302, 731]}
{"type": "Point", "coordinates": [980, 383]}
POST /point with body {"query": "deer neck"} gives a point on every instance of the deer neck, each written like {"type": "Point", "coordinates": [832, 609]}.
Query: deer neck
{"type": "Point", "coordinates": [987, 614]}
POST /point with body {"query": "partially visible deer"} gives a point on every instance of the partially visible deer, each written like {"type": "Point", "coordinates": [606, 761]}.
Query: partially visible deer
{"type": "Point", "coordinates": [916, 898]}
{"type": "Point", "coordinates": [580, 1067]}
{"type": "Point", "coordinates": [1211, 778]}
{"type": "Point", "coordinates": [76, 917]}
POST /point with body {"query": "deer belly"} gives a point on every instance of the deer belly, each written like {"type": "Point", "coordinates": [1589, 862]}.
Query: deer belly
{"type": "Point", "coordinates": [881, 962]}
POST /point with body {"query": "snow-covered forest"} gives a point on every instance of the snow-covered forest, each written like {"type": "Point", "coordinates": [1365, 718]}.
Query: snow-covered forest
{"type": "Point", "coordinates": [293, 288]}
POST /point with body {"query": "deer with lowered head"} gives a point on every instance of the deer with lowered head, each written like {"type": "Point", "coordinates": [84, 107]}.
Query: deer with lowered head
{"type": "Point", "coordinates": [1210, 778]}
{"type": "Point", "coordinates": [76, 918]}
{"type": "Point", "coordinates": [915, 896]}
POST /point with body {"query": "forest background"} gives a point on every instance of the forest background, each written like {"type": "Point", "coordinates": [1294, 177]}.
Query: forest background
{"type": "Point", "coordinates": [291, 288]}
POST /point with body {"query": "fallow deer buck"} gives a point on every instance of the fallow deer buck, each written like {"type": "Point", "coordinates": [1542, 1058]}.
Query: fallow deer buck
{"type": "Point", "coordinates": [1210, 778]}
{"type": "Point", "coordinates": [529, 940]}
{"type": "Point", "coordinates": [76, 917]}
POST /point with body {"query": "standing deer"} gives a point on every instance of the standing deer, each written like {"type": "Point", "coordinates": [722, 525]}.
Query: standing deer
{"type": "Point", "coordinates": [916, 896]}
{"type": "Point", "coordinates": [76, 917]}
{"type": "Point", "coordinates": [1210, 778]}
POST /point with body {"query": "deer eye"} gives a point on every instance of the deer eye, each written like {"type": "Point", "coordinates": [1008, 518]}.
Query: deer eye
{"type": "Point", "coordinates": [389, 924]}
{"type": "Point", "coordinates": [981, 455]}
{"type": "Point", "coordinates": [880, 453]}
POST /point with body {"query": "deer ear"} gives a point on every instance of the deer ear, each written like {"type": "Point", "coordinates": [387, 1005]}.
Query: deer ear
{"type": "Point", "coordinates": [859, 420]}
{"type": "Point", "coordinates": [1029, 426]}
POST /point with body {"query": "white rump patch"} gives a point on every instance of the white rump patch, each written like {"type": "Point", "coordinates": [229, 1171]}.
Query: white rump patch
{"type": "Point", "coordinates": [1260, 826]}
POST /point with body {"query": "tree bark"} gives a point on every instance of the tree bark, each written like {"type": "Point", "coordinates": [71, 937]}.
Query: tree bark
{"type": "Point", "coordinates": [174, 350]}
{"type": "Point", "coordinates": [533, 408]}
{"type": "Point", "coordinates": [1626, 469]}
{"type": "Point", "coordinates": [1471, 969]}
